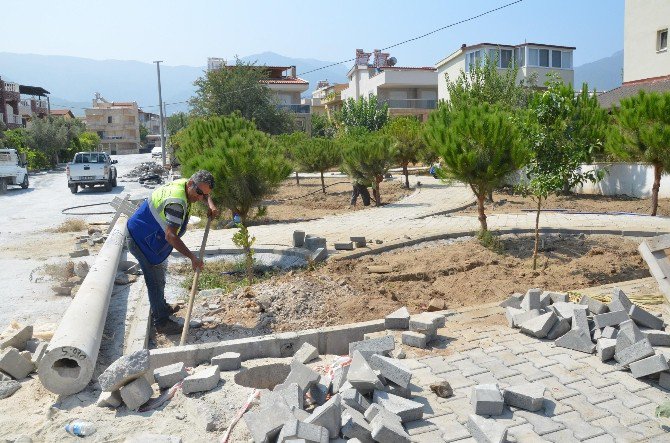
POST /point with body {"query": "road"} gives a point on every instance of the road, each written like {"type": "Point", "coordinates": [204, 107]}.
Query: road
{"type": "Point", "coordinates": [28, 245]}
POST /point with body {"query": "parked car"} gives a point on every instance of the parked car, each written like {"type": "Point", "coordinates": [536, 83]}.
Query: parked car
{"type": "Point", "coordinates": [89, 169]}
{"type": "Point", "coordinates": [157, 151]}
{"type": "Point", "coordinates": [12, 169]}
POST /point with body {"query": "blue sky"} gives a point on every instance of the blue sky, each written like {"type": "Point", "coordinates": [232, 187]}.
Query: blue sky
{"type": "Point", "coordinates": [186, 33]}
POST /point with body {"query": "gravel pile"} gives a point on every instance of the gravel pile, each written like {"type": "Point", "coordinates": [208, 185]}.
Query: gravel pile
{"type": "Point", "coordinates": [147, 172]}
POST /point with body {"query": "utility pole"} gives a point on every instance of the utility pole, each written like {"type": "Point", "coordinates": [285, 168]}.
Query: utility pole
{"type": "Point", "coordinates": [160, 107]}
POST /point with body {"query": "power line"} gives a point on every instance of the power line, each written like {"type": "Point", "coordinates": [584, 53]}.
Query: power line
{"type": "Point", "coordinates": [434, 31]}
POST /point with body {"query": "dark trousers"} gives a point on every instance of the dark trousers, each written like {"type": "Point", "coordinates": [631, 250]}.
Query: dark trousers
{"type": "Point", "coordinates": [154, 277]}
{"type": "Point", "coordinates": [361, 190]}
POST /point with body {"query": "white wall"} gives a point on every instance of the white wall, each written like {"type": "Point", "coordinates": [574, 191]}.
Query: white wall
{"type": "Point", "coordinates": [633, 179]}
{"type": "Point", "coordinates": [642, 21]}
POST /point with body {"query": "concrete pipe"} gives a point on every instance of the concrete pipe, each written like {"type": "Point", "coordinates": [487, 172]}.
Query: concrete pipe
{"type": "Point", "coordinates": [73, 351]}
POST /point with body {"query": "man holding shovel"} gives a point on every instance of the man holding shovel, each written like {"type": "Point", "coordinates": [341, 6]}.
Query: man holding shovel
{"type": "Point", "coordinates": [156, 227]}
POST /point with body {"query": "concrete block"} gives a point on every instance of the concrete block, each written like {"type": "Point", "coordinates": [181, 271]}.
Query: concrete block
{"type": "Point", "coordinates": [485, 430]}
{"type": "Point", "coordinates": [644, 318]}
{"type": "Point", "coordinates": [486, 399]}
{"type": "Point", "coordinates": [303, 376]}
{"type": "Point", "coordinates": [203, 380]}
{"type": "Point", "coordinates": [382, 345]}
{"type": "Point", "coordinates": [298, 239]}
{"type": "Point", "coordinates": [228, 361]}
{"type": "Point", "coordinates": [539, 326]}
{"type": "Point", "coordinates": [566, 309]}
{"type": "Point", "coordinates": [510, 312]}
{"type": "Point", "coordinates": [17, 338]}
{"type": "Point", "coordinates": [560, 327]}
{"type": "Point", "coordinates": [557, 297]}
{"type": "Point", "coordinates": [545, 299]}
{"type": "Point", "coordinates": [291, 394]}
{"type": "Point", "coordinates": [79, 253]}
{"type": "Point", "coordinates": [438, 319]}
{"type": "Point", "coordinates": [657, 338]}
{"type": "Point", "coordinates": [355, 426]}
{"type": "Point", "coordinates": [359, 241]}
{"type": "Point", "coordinates": [612, 318]}
{"type": "Point", "coordinates": [404, 408]}
{"type": "Point", "coordinates": [136, 393]}
{"type": "Point", "coordinates": [531, 300]}
{"type": "Point", "coordinates": [605, 348]}
{"type": "Point", "coordinates": [296, 430]}
{"type": "Point", "coordinates": [8, 388]}
{"type": "Point", "coordinates": [39, 352]}
{"type": "Point", "coordinates": [580, 321]}
{"type": "Point", "coordinates": [664, 380]}
{"type": "Point", "coordinates": [648, 366]}
{"type": "Point", "coordinates": [361, 376]}
{"type": "Point", "coordinates": [299, 414]}
{"type": "Point", "coordinates": [328, 415]}
{"type": "Point", "coordinates": [344, 246]}
{"type": "Point", "coordinates": [424, 324]}
{"type": "Point", "coordinates": [522, 317]}
{"type": "Point", "coordinates": [109, 399]}
{"type": "Point", "coordinates": [513, 301]}
{"type": "Point", "coordinates": [595, 307]}
{"type": "Point", "coordinates": [620, 302]}
{"type": "Point", "coordinates": [609, 332]}
{"type": "Point", "coordinates": [170, 375]}
{"type": "Point", "coordinates": [355, 400]}
{"type": "Point", "coordinates": [319, 255]}
{"type": "Point", "coordinates": [321, 389]}
{"type": "Point", "coordinates": [636, 351]}
{"type": "Point", "coordinates": [578, 340]}
{"type": "Point", "coordinates": [414, 339]}
{"type": "Point", "coordinates": [14, 364]}
{"type": "Point", "coordinates": [529, 396]}
{"type": "Point", "coordinates": [392, 369]}
{"type": "Point", "coordinates": [339, 377]}
{"type": "Point", "coordinates": [398, 319]}
{"type": "Point", "coordinates": [306, 353]}
{"type": "Point", "coordinates": [314, 243]}
{"type": "Point", "coordinates": [266, 423]}
{"type": "Point", "coordinates": [387, 428]}
{"type": "Point", "coordinates": [123, 370]}
{"type": "Point", "coordinates": [5, 377]}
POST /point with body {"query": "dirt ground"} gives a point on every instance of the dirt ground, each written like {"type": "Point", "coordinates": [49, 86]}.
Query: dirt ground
{"type": "Point", "coordinates": [450, 274]}
{"type": "Point", "coordinates": [307, 201]}
{"type": "Point", "coordinates": [506, 202]}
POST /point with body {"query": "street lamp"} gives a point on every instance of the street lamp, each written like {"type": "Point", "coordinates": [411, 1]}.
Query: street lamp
{"type": "Point", "coordinates": [160, 107]}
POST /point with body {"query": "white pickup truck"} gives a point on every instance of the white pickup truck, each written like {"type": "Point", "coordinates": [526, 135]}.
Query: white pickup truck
{"type": "Point", "coordinates": [12, 169]}
{"type": "Point", "coordinates": [88, 169]}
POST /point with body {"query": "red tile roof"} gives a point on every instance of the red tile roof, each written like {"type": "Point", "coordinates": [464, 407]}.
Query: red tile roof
{"type": "Point", "coordinates": [60, 112]}
{"type": "Point", "coordinates": [286, 81]}
{"type": "Point", "coordinates": [410, 68]}
{"type": "Point", "coordinates": [613, 97]}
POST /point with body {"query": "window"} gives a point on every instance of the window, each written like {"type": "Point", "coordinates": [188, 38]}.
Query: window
{"type": "Point", "coordinates": [555, 59]}
{"type": "Point", "coordinates": [521, 56]}
{"type": "Point", "coordinates": [533, 57]}
{"type": "Point", "coordinates": [472, 58]}
{"type": "Point", "coordinates": [109, 119]}
{"type": "Point", "coordinates": [505, 58]}
{"type": "Point", "coordinates": [544, 58]}
{"type": "Point", "coordinates": [566, 59]}
{"type": "Point", "coordinates": [662, 40]}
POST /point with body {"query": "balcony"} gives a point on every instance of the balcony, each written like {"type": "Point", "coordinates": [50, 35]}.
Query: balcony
{"type": "Point", "coordinates": [296, 109]}
{"type": "Point", "coordinates": [331, 98]}
{"type": "Point", "coordinates": [411, 104]}
{"type": "Point", "coordinates": [12, 87]}
{"type": "Point", "coordinates": [24, 107]}
{"type": "Point", "coordinates": [13, 119]}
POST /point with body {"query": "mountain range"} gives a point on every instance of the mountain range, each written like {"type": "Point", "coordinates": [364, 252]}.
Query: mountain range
{"type": "Point", "coordinates": [73, 81]}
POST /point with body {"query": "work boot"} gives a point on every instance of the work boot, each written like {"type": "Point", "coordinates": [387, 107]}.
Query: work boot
{"type": "Point", "coordinates": [173, 308]}
{"type": "Point", "coordinates": [169, 327]}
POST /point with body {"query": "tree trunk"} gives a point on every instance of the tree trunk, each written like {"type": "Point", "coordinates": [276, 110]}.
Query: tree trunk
{"type": "Point", "coordinates": [537, 232]}
{"type": "Point", "coordinates": [489, 198]}
{"type": "Point", "coordinates": [375, 191]}
{"type": "Point", "coordinates": [297, 179]}
{"type": "Point", "coordinates": [323, 184]}
{"type": "Point", "coordinates": [566, 187]}
{"type": "Point", "coordinates": [480, 210]}
{"type": "Point", "coordinates": [406, 173]}
{"type": "Point", "coordinates": [658, 169]}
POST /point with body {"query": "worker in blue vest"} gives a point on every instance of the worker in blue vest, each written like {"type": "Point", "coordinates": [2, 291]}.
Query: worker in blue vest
{"type": "Point", "coordinates": [156, 227]}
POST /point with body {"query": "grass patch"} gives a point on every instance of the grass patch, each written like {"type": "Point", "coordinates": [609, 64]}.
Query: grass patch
{"type": "Point", "coordinates": [219, 274]}
{"type": "Point", "coordinates": [490, 241]}
{"type": "Point", "coordinates": [72, 225]}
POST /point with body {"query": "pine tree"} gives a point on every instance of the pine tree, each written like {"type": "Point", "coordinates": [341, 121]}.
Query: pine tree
{"type": "Point", "coordinates": [407, 132]}
{"type": "Point", "coordinates": [317, 155]}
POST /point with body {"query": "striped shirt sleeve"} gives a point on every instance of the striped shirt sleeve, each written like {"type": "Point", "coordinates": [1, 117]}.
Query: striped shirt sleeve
{"type": "Point", "coordinates": [174, 215]}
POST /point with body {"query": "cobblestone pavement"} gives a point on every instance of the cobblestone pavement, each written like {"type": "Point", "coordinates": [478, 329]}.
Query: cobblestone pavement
{"type": "Point", "coordinates": [423, 215]}
{"type": "Point", "coordinates": [585, 399]}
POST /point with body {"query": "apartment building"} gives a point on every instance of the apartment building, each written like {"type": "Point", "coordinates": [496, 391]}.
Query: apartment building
{"type": "Point", "coordinates": [19, 104]}
{"type": "Point", "coordinates": [646, 60]}
{"type": "Point", "coordinates": [152, 122]}
{"type": "Point", "coordinates": [63, 113]}
{"type": "Point", "coordinates": [332, 100]}
{"type": "Point", "coordinates": [116, 123]}
{"type": "Point", "coordinates": [406, 90]}
{"type": "Point", "coordinates": [534, 60]}
{"type": "Point", "coordinates": [315, 102]}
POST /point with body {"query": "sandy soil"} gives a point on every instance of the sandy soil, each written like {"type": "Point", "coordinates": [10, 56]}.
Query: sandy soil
{"type": "Point", "coordinates": [451, 274]}
{"type": "Point", "coordinates": [506, 202]}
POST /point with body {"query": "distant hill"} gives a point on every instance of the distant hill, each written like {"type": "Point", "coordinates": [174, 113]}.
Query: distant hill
{"type": "Point", "coordinates": [73, 81]}
{"type": "Point", "coordinates": [603, 74]}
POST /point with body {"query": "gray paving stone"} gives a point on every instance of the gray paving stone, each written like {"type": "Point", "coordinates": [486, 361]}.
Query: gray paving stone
{"type": "Point", "coordinates": [650, 429]}
{"type": "Point", "coordinates": [305, 354]}
{"type": "Point", "coordinates": [296, 430]}
{"type": "Point", "coordinates": [610, 319]}
{"type": "Point", "coordinates": [418, 426]}
{"type": "Point", "coordinates": [631, 384]}
{"type": "Point", "coordinates": [361, 376]}
{"type": "Point", "coordinates": [168, 376]}
{"type": "Point", "coordinates": [596, 379]}
{"type": "Point", "coordinates": [508, 358]}
{"type": "Point", "coordinates": [648, 366]}
{"type": "Point", "coordinates": [412, 364]}
{"type": "Point", "coordinates": [657, 338]}
{"type": "Point", "coordinates": [499, 369]}
{"type": "Point", "coordinates": [431, 405]}
{"type": "Point", "coordinates": [528, 396]}
{"type": "Point", "coordinates": [531, 300]}
{"type": "Point", "coordinates": [587, 410]}
{"type": "Point", "coordinates": [620, 301]}
{"type": "Point", "coordinates": [485, 378]}
{"type": "Point", "coordinates": [407, 410]}
{"type": "Point", "coordinates": [629, 399]}
{"type": "Point", "coordinates": [468, 368]}
{"type": "Point", "coordinates": [429, 437]}
{"type": "Point", "coordinates": [388, 430]}
{"type": "Point", "coordinates": [564, 436]}
{"type": "Point", "coordinates": [487, 400]}
{"type": "Point", "coordinates": [539, 360]}
{"type": "Point", "coordinates": [518, 348]}
{"type": "Point", "coordinates": [424, 324]}
{"type": "Point", "coordinates": [556, 389]}
{"type": "Point", "coordinates": [530, 372]}
{"type": "Point", "coordinates": [654, 395]}
{"type": "Point", "coordinates": [626, 416]}
{"type": "Point", "coordinates": [577, 339]}
{"type": "Point", "coordinates": [609, 332]}
{"type": "Point", "coordinates": [523, 434]}
{"type": "Point", "coordinates": [664, 380]}
{"type": "Point", "coordinates": [398, 319]}
{"type": "Point", "coordinates": [355, 426]}
{"type": "Point", "coordinates": [451, 429]}
{"type": "Point", "coordinates": [458, 405]}
{"type": "Point", "coordinates": [557, 297]}
{"type": "Point", "coordinates": [328, 415]}
{"type": "Point", "coordinates": [563, 375]}
{"type": "Point", "coordinates": [414, 339]}
{"type": "Point", "coordinates": [541, 424]}
{"type": "Point", "coordinates": [125, 369]}
{"type": "Point", "coordinates": [539, 326]}
{"type": "Point", "coordinates": [355, 400]}
{"type": "Point", "coordinates": [136, 393]}
{"type": "Point", "coordinates": [594, 306]}
{"type": "Point", "coordinates": [579, 427]}
{"type": "Point", "coordinates": [644, 318]}
{"type": "Point", "coordinates": [478, 356]}
{"type": "Point", "coordinates": [593, 395]}
{"type": "Point", "coordinates": [457, 380]}
{"type": "Point", "coordinates": [636, 351]}
{"type": "Point", "coordinates": [513, 301]}
{"type": "Point", "coordinates": [605, 438]}
{"type": "Point", "coordinates": [605, 348]}
{"type": "Point", "coordinates": [560, 328]}
{"type": "Point", "coordinates": [485, 430]}
{"type": "Point", "coordinates": [204, 379]}
{"type": "Point", "coordinates": [392, 369]}
{"type": "Point", "coordinates": [382, 345]}
{"type": "Point", "coordinates": [552, 407]}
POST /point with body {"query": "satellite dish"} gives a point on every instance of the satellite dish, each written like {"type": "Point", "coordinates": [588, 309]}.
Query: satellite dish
{"type": "Point", "coordinates": [392, 61]}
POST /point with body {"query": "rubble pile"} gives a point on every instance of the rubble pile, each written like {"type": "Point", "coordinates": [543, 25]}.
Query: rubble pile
{"type": "Point", "coordinates": [618, 330]}
{"type": "Point", "coordinates": [20, 354]}
{"type": "Point", "coordinates": [147, 172]}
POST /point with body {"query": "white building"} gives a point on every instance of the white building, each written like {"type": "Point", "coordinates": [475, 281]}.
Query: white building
{"type": "Point", "coordinates": [532, 59]}
{"type": "Point", "coordinates": [407, 90]}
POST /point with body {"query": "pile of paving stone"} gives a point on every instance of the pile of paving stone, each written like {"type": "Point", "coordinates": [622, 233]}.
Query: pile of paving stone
{"type": "Point", "coordinates": [20, 355]}
{"type": "Point", "coordinates": [147, 172]}
{"type": "Point", "coordinates": [619, 330]}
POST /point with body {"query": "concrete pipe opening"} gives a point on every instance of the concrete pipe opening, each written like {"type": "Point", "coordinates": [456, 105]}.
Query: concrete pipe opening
{"type": "Point", "coordinates": [65, 370]}
{"type": "Point", "coordinates": [264, 376]}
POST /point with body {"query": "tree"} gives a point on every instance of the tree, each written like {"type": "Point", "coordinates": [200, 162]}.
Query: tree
{"type": "Point", "coordinates": [641, 131]}
{"type": "Point", "coordinates": [143, 133]}
{"type": "Point", "coordinates": [363, 113]}
{"type": "Point", "coordinates": [480, 145]}
{"type": "Point", "coordinates": [407, 132]}
{"type": "Point", "coordinates": [322, 126]}
{"type": "Point", "coordinates": [89, 141]}
{"type": "Point", "coordinates": [55, 136]}
{"type": "Point", "coordinates": [246, 163]}
{"type": "Point", "coordinates": [288, 144]}
{"type": "Point", "coordinates": [240, 88]}
{"type": "Point", "coordinates": [318, 155]}
{"type": "Point", "coordinates": [368, 156]}
{"type": "Point", "coordinates": [564, 130]}
{"type": "Point", "coordinates": [175, 122]}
